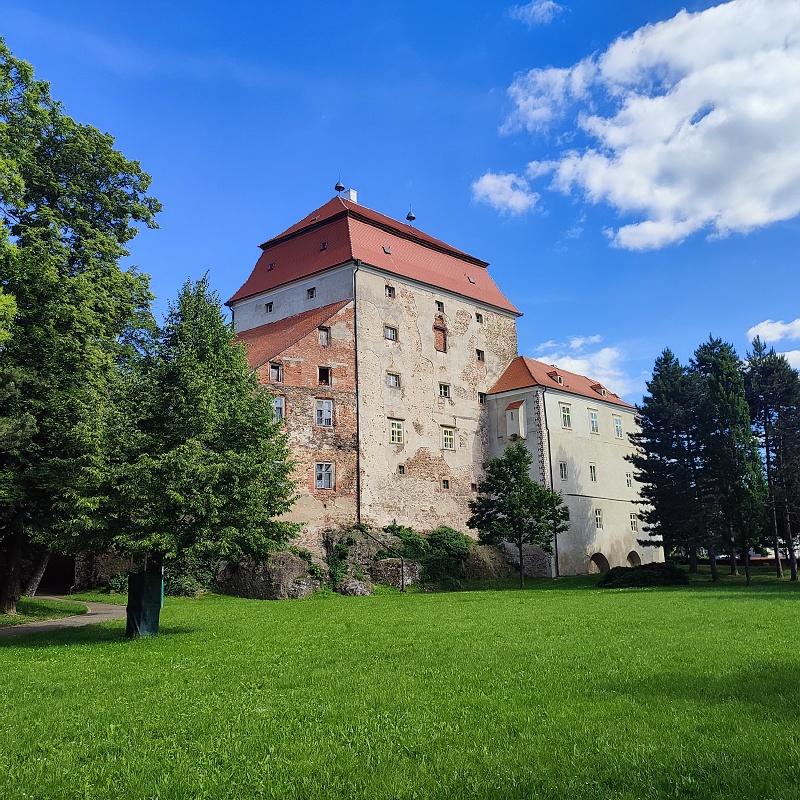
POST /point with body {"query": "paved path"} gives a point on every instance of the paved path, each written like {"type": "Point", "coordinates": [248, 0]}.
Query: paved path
{"type": "Point", "coordinates": [98, 612]}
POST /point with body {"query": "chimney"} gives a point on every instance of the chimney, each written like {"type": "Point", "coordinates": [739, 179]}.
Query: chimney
{"type": "Point", "coordinates": [351, 195]}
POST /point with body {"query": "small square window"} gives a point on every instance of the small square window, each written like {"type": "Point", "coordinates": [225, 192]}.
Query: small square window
{"type": "Point", "coordinates": [634, 522]}
{"type": "Point", "coordinates": [629, 479]}
{"type": "Point", "coordinates": [324, 376]}
{"type": "Point", "coordinates": [389, 291]}
{"type": "Point", "coordinates": [390, 333]}
{"type": "Point", "coordinates": [279, 407]}
{"type": "Point", "coordinates": [562, 470]}
{"type": "Point", "coordinates": [311, 293]}
{"type": "Point", "coordinates": [401, 469]}
{"type": "Point", "coordinates": [593, 472]}
{"type": "Point", "coordinates": [324, 413]}
{"type": "Point", "coordinates": [480, 355]}
{"type": "Point", "coordinates": [444, 390]}
{"type": "Point", "coordinates": [396, 431]}
{"type": "Point", "coordinates": [448, 438]}
{"type": "Point", "coordinates": [594, 423]}
{"type": "Point", "coordinates": [481, 398]}
{"type": "Point", "coordinates": [324, 475]}
{"type": "Point", "coordinates": [618, 427]}
{"type": "Point", "coordinates": [276, 372]}
{"type": "Point", "coordinates": [440, 306]}
{"type": "Point", "coordinates": [324, 336]}
{"type": "Point", "coordinates": [598, 518]}
{"type": "Point", "coordinates": [268, 307]}
{"type": "Point", "coordinates": [445, 483]}
{"type": "Point", "coordinates": [566, 417]}
{"type": "Point", "coordinates": [393, 380]}
{"type": "Point", "coordinates": [479, 317]}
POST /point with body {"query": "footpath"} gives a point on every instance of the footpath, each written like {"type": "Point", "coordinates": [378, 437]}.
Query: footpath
{"type": "Point", "coordinates": [97, 612]}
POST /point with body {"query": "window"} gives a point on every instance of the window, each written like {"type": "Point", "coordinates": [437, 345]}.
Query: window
{"type": "Point", "coordinates": [445, 483]}
{"type": "Point", "coordinates": [324, 336]}
{"type": "Point", "coordinates": [393, 380]}
{"type": "Point", "coordinates": [634, 523]}
{"type": "Point", "coordinates": [268, 307]}
{"type": "Point", "coordinates": [324, 474]}
{"type": "Point", "coordinates": [479, 318]}
{"type": "Point", "coordinates": [387, 249]}
{"type": "Point", "coordinates": [389, 291]}
{"type": "Point", "coordinates": [629, 479]}
{"type": "Point", "coordinates": [444, 390]}
{"type": "Point", "coordinates": [311, 293]}
{"type": "Point", "coordinates": [473, 487]}
{"type": "Point", "coordinates": [390, 333]}
{"type": "Point", "coordinates": [324, 415]}
{"type": "Point", "coordinates": [324, 376]}
{"type": "Point", "coordinates": [276, 372]}
{"type": "Point", "coordinates": [440, 338]}
{"type": "Point", "coordinates": [566, 417]}
{"type": "Point", "coordinates": [593, 472]}
{"type": "Point", "coordinates": [448, 438]}
{"type": "Point", "coordinates": [480, 355]}
{"type": "Point", "coordinates": [481, 398]}
{"type": "Point", "coordinates": [401, 469]}
{"type": "Point", "coordinates": [594, 424]}
{"type": "Point", "coordinates": [598, 518]}
{"type": "Point", "coordinates": [562, 470]}
{"type": "Point", "coordinates": [618, 427]}
{"type": "Point", "coordinates": [279, 407]}
{"type": "Point", "coordinates": [323, 246]}
{"type": "Point", "coordinates": [271, 266]}
{"type": "Point", "coordinates": [440, 306]}
{"type": "Point", "coordinates": [396, 431]}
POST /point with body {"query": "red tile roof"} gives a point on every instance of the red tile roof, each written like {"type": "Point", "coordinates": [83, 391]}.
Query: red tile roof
{"type": "Point", "coordinates": [515, 405]}
{"type": "Point", "coordinates": [525, 372]}
{"type": "Point", "coordinates": [350, 232]}
{"type": "Point", "coordinates": [267, 341]}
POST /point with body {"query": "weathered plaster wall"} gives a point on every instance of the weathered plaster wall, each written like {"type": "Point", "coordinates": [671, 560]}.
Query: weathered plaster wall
{"type": "Point", "coordinates": [578, 447]}
{"type": "Point", "coordinates": [417, 498]}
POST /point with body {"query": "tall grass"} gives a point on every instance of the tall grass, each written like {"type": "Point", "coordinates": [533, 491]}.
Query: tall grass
{"type": "Point", "coordinates": [559, 691]}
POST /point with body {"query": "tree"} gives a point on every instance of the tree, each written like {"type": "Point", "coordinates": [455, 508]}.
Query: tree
{"type": "Point", "coordinates": [772, 389]}
{"type": "Point", "coordinates": [733, 480]}
{"type": "Point", "coordinates": [512, 507]}
{"type": "Point", "coordinates": [69, 204]}
{"type": "Point", "coordinates": [196, 464]}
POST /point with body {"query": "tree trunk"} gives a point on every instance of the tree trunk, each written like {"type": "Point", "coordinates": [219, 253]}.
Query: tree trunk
{"type": "Point", "coordinates": [145, 598]}
{"type": "Point", "coordinates": [11, 567]}
{"type": "Point", "coordinates": [693, 561]}
{"type": "Point", "coordinates": [775, 541]}
{"type": "Point", "coordinates": [790, 544]}
{"type": "Point", "coordinates": [712, 561]}
{"type": "Point", "coordinates": [732, 552]}
{"type": "Point", "coordinates": [747, 565]}
{"type": "Point", "coordinates": [33, 584]}
{"type": "Point", "coordinates": [521, 566]}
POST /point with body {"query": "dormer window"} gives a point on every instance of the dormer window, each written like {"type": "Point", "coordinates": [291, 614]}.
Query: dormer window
{"type": "Point", "coordinates": [323, 246]}
{"type": "Point", "coordinates": [271, 266]}
{"type": "Point", "coordinates": [600, 389]}
{"type": "Point", "coordinates": [556, 377]}
{"type": "Point", "coordinates": [387, 250]}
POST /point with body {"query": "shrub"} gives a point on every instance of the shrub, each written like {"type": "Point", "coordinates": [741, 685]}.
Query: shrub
{"type": "Point", "coordinates": [188, 575]}
{"type": "Point", "coordinates": [646, 575]}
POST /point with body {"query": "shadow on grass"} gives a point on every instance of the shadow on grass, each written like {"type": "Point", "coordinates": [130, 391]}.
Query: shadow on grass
{"type": "Point", "coordinates": [101, 634]}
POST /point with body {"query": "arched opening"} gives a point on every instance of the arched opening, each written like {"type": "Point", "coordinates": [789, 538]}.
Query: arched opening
{"type": "Point", "coordinates": [598, 563]}
{"type": "Point", "coordinates": [633, 559]}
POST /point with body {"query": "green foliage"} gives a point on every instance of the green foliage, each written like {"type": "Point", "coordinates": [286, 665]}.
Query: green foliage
{"type": "Point", "coordinates": [119, 583]}
{"type": "Point", "coordinates": [412, 545]}
{"type": "Point", "coordinates": [189, 575]}
{"type": "Point", "coordinates": [316, 572]}
{"type": "Point", "coordinates": [653, 574]}
{"type": "Point", "coordinates": [449, 542]}
{"type": "Point", "coordinates": [512, 507]}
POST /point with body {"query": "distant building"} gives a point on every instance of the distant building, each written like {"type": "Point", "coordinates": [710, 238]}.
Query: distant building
{"type": "Point", "coordinates": [382, 345]}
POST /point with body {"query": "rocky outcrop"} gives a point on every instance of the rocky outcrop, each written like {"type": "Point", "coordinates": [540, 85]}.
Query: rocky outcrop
{"type": "Point", "coordinates": [284, 577]}
{"type": "Point", "coordinates": [486, 563]}
{"type": "Point", "coordinates": [387, 571]}
{"type": "Point", "coordinates": [354, 588]}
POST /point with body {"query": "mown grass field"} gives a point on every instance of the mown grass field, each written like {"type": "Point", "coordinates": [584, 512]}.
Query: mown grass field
{"type": "Point", "coordinates": [559, 691]}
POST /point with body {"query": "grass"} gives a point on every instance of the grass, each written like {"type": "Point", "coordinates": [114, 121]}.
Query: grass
{"type": "Point", "coordinates": [31, 609]}
{"type": "Point", "coordinates": [559, 691]}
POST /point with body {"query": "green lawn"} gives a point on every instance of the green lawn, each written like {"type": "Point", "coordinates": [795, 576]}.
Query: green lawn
{"type": "Point", "coordinates": [559, 691]}
{"type": "Point", "coordinates": [32, 609]}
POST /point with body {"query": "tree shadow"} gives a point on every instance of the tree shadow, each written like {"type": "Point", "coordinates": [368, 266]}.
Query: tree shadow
{"type": "Point", "coordinates": [91, 635]}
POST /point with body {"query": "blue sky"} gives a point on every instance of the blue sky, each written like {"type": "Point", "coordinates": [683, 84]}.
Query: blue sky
{"type": "Point", "coordinates": [631, 171]}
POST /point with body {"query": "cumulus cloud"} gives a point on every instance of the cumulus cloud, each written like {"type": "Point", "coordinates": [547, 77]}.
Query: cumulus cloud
{"type": "Point", "coordinates": [537, 12]}
{"type": "Point", "coordinates": [506, 192]}
{"type": "Point", "coordinates": [769, 331]}
{"type": "Point", "coordinates": [793, 357]}
{"type": "Point", "coordinates": [604, 365]}
{"type": "Point", "coordinates": [690, 124]}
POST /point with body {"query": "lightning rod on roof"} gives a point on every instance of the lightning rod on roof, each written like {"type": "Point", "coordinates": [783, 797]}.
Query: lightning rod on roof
{"type": "Point", "coordinates": [410, 216]}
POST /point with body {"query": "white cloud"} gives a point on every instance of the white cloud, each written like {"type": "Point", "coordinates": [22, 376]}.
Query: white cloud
{"type": "Point", "coordinates": [604, 365]}
{"type": "Point", "coordinates": [769, 331]}
{"type": "Point", "coordinates": [701, 134]}
{"type": "Point", "coordinates": [793, 357]}
{"type": "Point", "coordinates": [579, 342]}
{"type": "Point", "coordinates": [506, 192]}
{"type": "Point", "coordinates": [537, 12]}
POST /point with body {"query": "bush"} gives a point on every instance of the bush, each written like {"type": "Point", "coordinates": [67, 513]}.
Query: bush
{"type": "Point", "coordinates": [645, 575]}
{"type": "Point", "coordinates": [450, 542]}
{"type": "Point", "coordinates": [188, 576]}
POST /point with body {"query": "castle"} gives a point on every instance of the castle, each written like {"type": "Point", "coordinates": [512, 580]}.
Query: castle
{"type": "Point", "coordinates": [392, 358]}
